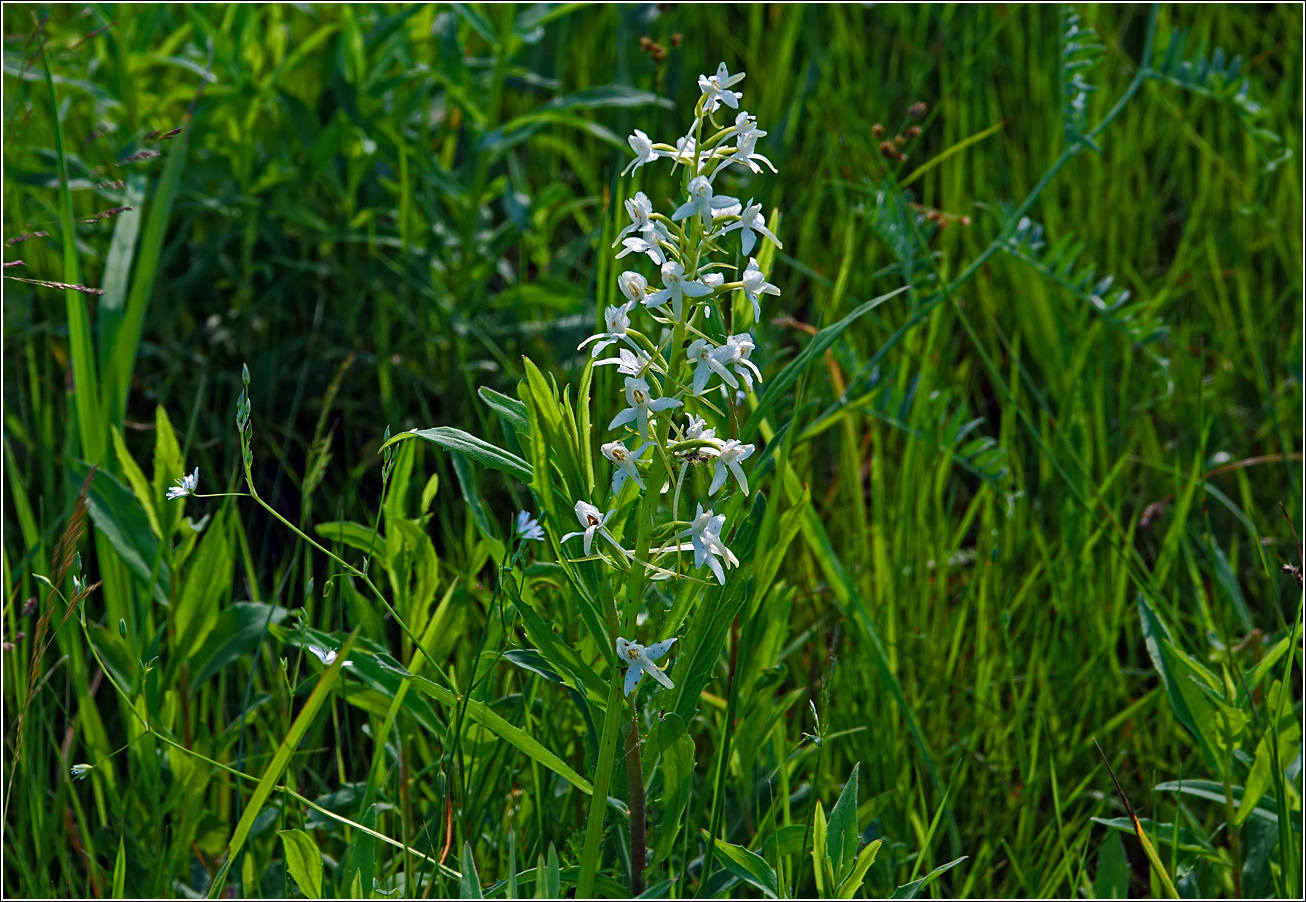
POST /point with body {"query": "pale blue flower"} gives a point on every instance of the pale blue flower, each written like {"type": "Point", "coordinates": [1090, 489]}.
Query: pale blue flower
{"type": "Point", "coordinates": [528, 527]}
{"type": "Point", "coordinates": [639, 661]}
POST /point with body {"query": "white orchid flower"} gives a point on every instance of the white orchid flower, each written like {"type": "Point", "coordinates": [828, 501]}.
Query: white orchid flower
{"type": "Point", "coordinates": [618, 321]}
{"type": "Point", "coordinates": [592, 522]}
{"type": "Point", "coordinates": [746, 152]}
{"type": "Point", "coordinates": [697, 429]}
{"type": "Point", "coordinates": [630, 363]}
{"type": "Point", "coordinates": [624, 458]}
{"type": "Point", "coordinates": [185, 485]}
{"type": "Point", "coordinates": [717, 89]}
{"type": "Point", "coordinates": [705, 203]}
{"type": "Point", "coordinates": [327, 655]}
{"type": "Point", "coordinates": [633, 286]}
{"type": "Point", "coordinates": [644, 152]}
{"type": "Point", "coordinates": [528, 527]}
{"type": "Point", "coordinates": [756, 285]}
{"type": "Point", "coordinates": [729, 456]}
{"type": "Point", "coordinates": [708, 359]}
{"type": "Point", "coordinates": [642, 405]}
{"type": "Point", "coordinates": [637, 245]}
{"type": "Point", "coordinates": [639, 208]}
{"type": "Point", "coordinates": [741, 346]}
{"type": "Point", "coordinates": [639, 661]}
{"type": "Point", "coordinates": [704, 536]}
{"type": "Point", "coordinates": [750, 221]}
{"type": "Point", "coordinates": [676, 288]}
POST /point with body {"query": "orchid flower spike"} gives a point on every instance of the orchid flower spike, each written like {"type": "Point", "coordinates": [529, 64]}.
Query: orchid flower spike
{"type": "Point", "coordinates": [639, 661]}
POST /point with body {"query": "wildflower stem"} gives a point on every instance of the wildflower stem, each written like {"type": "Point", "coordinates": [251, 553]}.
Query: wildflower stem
{"type": "Point", "coordinates": [635, 781]}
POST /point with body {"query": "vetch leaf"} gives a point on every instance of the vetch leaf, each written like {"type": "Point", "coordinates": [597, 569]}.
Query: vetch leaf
{"type": "Point", "coordinates": [304, 861]}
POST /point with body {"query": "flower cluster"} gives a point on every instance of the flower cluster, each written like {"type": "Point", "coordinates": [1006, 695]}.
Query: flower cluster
{"type": "Point", "coordinates": [696, 349]}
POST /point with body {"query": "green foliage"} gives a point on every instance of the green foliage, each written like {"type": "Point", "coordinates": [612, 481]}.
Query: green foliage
{"type": "Point", "coordinates": [981, 532]}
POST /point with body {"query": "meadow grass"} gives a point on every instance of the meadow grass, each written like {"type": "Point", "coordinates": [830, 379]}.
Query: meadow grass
{"type": "Point", "coordinates": [999, 521]}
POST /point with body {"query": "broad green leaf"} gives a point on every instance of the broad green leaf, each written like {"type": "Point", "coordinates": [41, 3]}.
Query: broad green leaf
{"type": "Point", "coordinates": [235, 634]}
{"type": "Point", "coordinates": [479, 450]}
{"type": "Point", "coordinates": [510, 410]}
{"type": "Point", "coordinates": [747, 866]}
{"type": "Point", "coordinates": [910, 890]}
{"type": "Point", "coordinates": [208, 577]}
{"type": "Point", "coordinates": [304, 862]}
{"type": "Point", "coordinates": [277, 766]}
{"type": "Point", "coordinates": [1113, 865]}
{"type": "Point", "coordinates": [843, 832]}
{"type": "Point", "coordinates": [1252, 678]}
{"type": "Point", "coordinates": [1155, 632]}
{"type": "Point", "coordinates": [1261, 776]}
{"type": "Point", "coordinates": [119, 518]}
{"type": "Point", "coordinates": [362, 852]}
{"type": "Point", "coordinates": [865, 859]}
{"type": "Point", "coordinates": [1189, 839]}
{"type": "Point", "coordinates": [135, 478]}
{"type": "Point", "coordinates": [821, 854]}
{"type": "Point", "coordinates": [677, 751]}
{"type": "Point", "coordinates": [1214, 792]}
{"type": "Point", "coordinates": [469, 885]}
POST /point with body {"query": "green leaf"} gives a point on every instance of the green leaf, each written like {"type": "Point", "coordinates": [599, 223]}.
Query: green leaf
{"type": "Point", "coordinates": [843, 832]}
{"type": "Point", "coordinates": [1189, 840]}
{"type": "Point", "coordinates": [910, 890]}
{"type": "Point", "coordinates": [1154, 633]}
{"type": "Point", "coordinates": [1112, 865]}
{"type": "Point", "coordinates": [135, 478]}
{"type": "Point", "coordinates": [1214, 792]}
{"type": "Point", "coordinates": [168, 468]}
{"type": "Point", "coordinates": [120, 871]}
{"type": "Point", "coordinates": [677, 751]}
{"type": "Point", "coordinates": [304, 861]}
{"type": "Point", "coordinates": [865, 859]}
{"type": "Point", "coordinates": [235, 634]}
{"type": "Point", "coordinates": [276, 767]}
{"type": "Point", "coordinates": [780, 385]}
{"type": "Point", "coordinates": [747, 866]}
{"type": "Point", "coordinates": [510, 410]}
{"type": "Point", "coordinates": [208, 577]}
{"type": "Point", "coordinates": [478, 449]}
{"type": "Point", "coordinates": [821, 854]}
{"type": "Point", "coordinates": [362, 852]}
{"type": "Point", "coordinates": [119, 518]}
{"type": "Point", "coordinates": [482, 714]}
{"type": "Point", "coordinates": [469, 884]}
{"type": "Point", "coordinates": [1261, 777]}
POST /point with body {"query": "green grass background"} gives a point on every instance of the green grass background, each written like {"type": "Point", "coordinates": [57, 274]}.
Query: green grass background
{"type": "Point", "coordinates": [381, 211]}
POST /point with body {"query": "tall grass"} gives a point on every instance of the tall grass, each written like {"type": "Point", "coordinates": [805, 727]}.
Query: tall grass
{"type": "Point", "coordinates": [1008, 512]}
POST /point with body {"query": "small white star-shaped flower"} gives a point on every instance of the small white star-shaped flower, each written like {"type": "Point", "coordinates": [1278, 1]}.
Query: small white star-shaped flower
{"type": "Point", "coordinates": [327, 655]}
{"type": "Point", "coordinates": [639, 661]}
{"type": "Point", "coordinates": [528, 527]}
{"type": "Point", "coordinates": [185, 486]}
{"type": "Point", "coordinates": [740, 346]}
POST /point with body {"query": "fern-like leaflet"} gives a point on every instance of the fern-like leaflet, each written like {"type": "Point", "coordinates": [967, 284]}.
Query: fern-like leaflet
{"type": "Point", "coordinates": [1057, 263]}
{"type": "Point", "coordinates": [1080, 51]}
